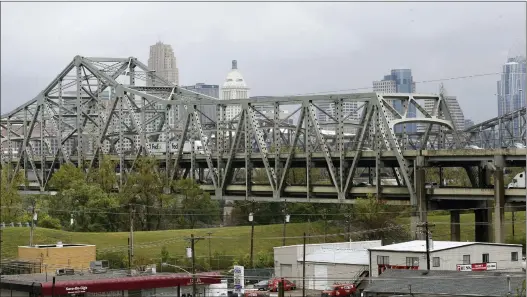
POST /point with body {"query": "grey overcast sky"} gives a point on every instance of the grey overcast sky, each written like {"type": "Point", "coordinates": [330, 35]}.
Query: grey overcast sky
{"type": "Point", "coordinates": [281, 48]}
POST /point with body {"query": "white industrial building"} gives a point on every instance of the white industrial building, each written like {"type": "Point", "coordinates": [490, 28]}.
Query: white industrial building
{"type": "Point", "coordinates": [446, 255]}
{"type": "Point", "coordinates": [327, 263]}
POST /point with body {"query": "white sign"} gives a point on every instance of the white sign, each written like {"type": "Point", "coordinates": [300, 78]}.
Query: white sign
{"type": "Point", "coordinates": [161, 147]}
{"type": "Point", "coordinates": [239, 278]}
{"type": "Point", "coordinates": [477, 267]}
{"type": "Point", "coordinates": [76, 290]}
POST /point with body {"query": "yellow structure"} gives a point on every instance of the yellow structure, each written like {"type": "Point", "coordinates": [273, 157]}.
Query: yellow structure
{"type": "Point", "coordinates": [59, 256]}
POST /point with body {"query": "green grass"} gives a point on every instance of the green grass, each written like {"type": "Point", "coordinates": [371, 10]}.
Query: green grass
{"type": "Point", "coordinates": [441, 231]}
{"type": "Point", "coordinates": [227, 241]}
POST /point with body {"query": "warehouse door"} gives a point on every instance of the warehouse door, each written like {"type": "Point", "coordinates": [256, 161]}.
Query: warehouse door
{"type": "Point", "coordinates": [321, 277]}
{"type": "Point", "coordinates": [286, 270]}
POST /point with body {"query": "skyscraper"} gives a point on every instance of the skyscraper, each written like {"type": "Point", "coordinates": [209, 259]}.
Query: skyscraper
{"type": "Point", "coordinates": [455, 111]}
{"type": "Point", "coordinates": [399, 81]}
{"type": "Point", "coordinates": [511, 89]}
{"type": "Point", "coordinates": [163, 62]}
{"type": "Point", "coordinates": [234, 87]}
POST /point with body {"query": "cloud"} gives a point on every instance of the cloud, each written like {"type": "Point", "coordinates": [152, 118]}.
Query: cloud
{"type": "Point", "coordinates": [282, 48]}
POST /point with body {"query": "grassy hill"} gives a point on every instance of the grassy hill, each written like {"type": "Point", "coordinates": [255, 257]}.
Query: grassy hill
{"type": "Point", "coordinates": [233, 242]}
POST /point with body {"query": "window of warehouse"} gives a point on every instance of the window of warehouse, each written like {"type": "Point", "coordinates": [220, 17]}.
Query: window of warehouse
{"type": "Point", "coordinates": [514, 256]}
{"type": "Point", "coordinates": [437, 261]}
{"type": "Point", "coordinates": [412, 261]}
{"type": "Point", "coordinates": [485, 258]}
{"type": "Point", "coordinates": [383, 260]}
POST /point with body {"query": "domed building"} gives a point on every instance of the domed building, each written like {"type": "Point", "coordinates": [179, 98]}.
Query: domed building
{"type": "Point", "coordinates": [233, 88]}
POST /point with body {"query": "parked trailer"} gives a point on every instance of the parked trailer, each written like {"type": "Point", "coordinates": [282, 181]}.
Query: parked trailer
{"type": "Point", "coordinates": [518, 181]}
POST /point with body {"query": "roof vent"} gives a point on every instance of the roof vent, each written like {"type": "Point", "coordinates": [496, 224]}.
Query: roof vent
{"type": "Point", "coordinates": [97, 267]}
{"type": "Point", "coordinates": [65, 271]}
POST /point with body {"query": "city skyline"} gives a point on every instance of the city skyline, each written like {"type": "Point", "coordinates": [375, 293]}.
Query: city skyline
{"type": "Point", "coordinates": [318, 54]}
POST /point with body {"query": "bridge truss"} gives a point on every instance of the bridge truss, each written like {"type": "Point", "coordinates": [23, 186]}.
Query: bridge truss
{"type": "Point", "coordinates": [118, 107]}
{"type": "Point", "coordinates": [503, 131]}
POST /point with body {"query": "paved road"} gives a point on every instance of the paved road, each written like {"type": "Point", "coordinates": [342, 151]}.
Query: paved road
{"type": "Point", "coordinates": [298, 293]}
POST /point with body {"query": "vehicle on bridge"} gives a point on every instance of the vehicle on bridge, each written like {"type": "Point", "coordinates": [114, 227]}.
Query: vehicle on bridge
{"type": "Point", "coordinates": [518, 181]}
{"type": "Point", "coordinates": [161, 147]}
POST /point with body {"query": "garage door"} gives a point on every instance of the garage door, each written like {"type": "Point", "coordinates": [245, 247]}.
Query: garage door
{"type": "Point", "coordinates": [286, 270]}
{"type": "Point", "coordinates": [321, 277]}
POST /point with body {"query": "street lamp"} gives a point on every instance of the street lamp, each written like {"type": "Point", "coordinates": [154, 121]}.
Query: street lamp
{"type": "Point", "coordinates": [210, 254]}
{"type": "Point", "coordinates": [251, 219]}
{"type": "Point", "coordinates": [286, 220]}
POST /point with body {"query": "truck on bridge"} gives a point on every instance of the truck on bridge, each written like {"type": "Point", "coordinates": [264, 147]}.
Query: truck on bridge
{"type": "Point", "coordinates": [518, 181]}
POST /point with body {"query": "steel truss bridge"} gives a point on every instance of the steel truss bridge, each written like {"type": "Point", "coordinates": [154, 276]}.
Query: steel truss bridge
{"type": "Point", "coordinates": [119, 108]}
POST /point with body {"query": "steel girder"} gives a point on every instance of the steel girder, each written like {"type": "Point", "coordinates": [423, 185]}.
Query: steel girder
{"type": "Point", "coordinates": [500, 132]}
{"type": "Point", "coordinates": [118, 107]}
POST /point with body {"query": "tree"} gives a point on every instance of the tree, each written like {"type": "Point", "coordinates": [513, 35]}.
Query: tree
{"type": "Point", "coordinates": [66, 177]}
{"type": "Point", "coordinates": [372, 214]}
{"type": "Point", "coordinates": [104, 175]}
{"type": "Point", "coordinates": [196, 205]}
{"type": "Point", "coordinates": [143, 191]}
{"type": "Point", "coordinates": [10, 198]}
{"type": "Point", "coordinates": [165, 255]}
{"type": "Point", "coordinates": [91, 208]}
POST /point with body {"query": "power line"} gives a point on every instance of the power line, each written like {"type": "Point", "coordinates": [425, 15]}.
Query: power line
{"type": "Point", "coordinates": [418, 82]}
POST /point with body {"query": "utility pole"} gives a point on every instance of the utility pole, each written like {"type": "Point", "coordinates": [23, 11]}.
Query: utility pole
{"type": "Point", "coordinates": [426, 226]}
{"type": "Point", "coordinates": [131, 239]}
{"type": "Point", "coordinates": [210, 254]}
{"type": "Point", "coordinates": [33, 219]}
{"type": "Point", "coordinates": [193, 241]}
{"type": "Point", "coordinates": [348, 226]}
{"type": "Point", "coordinates": [325, 226]}
{"type": "Point", "coordinates": [304, 267]}
{"type": "Point", "coordinates": [286, 220]}
{"type": "Point", "coordinates": [513, 222]}
{"type": "Point", "coordinates": [251, 219]}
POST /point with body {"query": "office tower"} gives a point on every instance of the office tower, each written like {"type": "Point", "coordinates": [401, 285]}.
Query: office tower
{"type": "Point", "coordinates": [511, 90]}
{"type": "Point", "coordinates": [209, 90]}
{"type": "Point", "coordinates": [458, 117]}
{"type": "Point", "coordinates": [163, 62]}
{"type": "Point", "coordinates": [234, 88]}
{"type": "Point", "coordinates": [208, 111]}
{"type": "Point", "coordinates": [398, 81]}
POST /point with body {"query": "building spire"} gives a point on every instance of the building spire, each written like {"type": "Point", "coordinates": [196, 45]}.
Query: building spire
{"type": "Point", "coordinates": [234, 64]}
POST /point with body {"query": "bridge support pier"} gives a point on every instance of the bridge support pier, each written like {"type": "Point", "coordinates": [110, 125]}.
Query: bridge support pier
{"type": "Point", "coordinates": [482, 220]}
{"type": "Point", "coordinates": [420, 214]}
{"type": "Point", "coordinates": [499, 200]}
{"type": "Point", "coordinates": [455, 227]}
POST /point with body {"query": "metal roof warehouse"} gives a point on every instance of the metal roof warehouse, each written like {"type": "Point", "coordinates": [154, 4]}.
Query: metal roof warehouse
{"type": "Point", "coordinates": [445, 283]}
